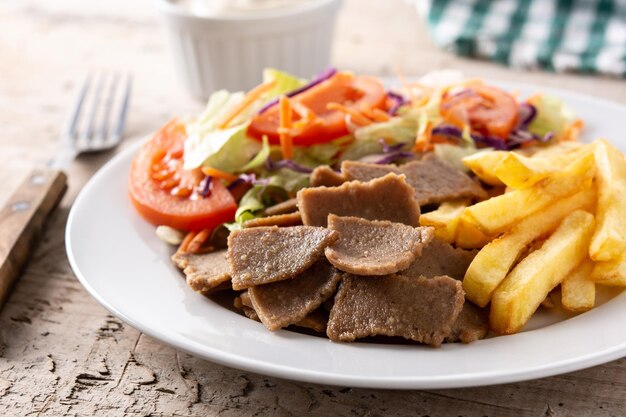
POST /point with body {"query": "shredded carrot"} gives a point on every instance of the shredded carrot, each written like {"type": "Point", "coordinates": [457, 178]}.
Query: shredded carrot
{"type": "Point", "coordinates": [357, 117]}
{"type": "Point", "coordinates": [248, 99]}
{"type": "Point", "coordinates": [422, 100]}
{"type": "Point", "coordinates": [307, 116]}
{"type": "Point", "coordinates": [376, 115]}
{"type": "Point", "coordinates": [285, 114]}
{"type": "Point", "coordinates": [406, 84]}
{"type": "Point", "coordinates": [380, 116]}
{"type": "Point", "coordinates": [423, 141]}
{"type": "Point", "coordinates": [198, 240]}
{"type": "Point", "coordinates": [366, 111]}
{"type": "Point", "coordinates": [572, 131]}
{"type": "Point", "coordinates": [186, 241]}
{"type": "Point", "coordinates": [303, 110]}
{"type": "Point", "coordinates": [216, 173]}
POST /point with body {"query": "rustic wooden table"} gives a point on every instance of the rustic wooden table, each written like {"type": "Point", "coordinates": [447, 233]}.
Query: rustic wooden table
{"type": "Point", "coordinates": [61, 353]}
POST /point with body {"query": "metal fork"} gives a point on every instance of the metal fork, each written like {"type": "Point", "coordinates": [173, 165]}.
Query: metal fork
{"type": "Point", "coordinates": [95, 123]}
{"type": "Point", "coordinates": [96, 135]}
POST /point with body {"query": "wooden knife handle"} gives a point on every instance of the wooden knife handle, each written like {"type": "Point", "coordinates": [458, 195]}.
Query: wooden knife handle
{"type": "Point", "coordinates": [22, 219]}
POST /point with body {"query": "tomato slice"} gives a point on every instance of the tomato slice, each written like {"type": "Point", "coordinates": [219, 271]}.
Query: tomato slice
{"type": "Point", "coordinates": [165, 194]}
{"type": "Point", "coordinates": [346, 89]}
{"type": "Point", "coordinates": [488, 110]}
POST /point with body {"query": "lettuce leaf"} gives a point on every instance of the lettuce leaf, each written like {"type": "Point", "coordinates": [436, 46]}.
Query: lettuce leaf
{"type": "Point", "coordinates": [227, 150]}
{"type": "Point", "coordinates": [553, 115]}
{"type": "Point", "coordinates": [260, 157]}
{"type": "Point", "coordinates": [254, 201]}
{"type": "Point", "coordinates": [285, 82]}
{"type": "Point", "coordinates": [289, 180]}
{"type": "Point", "coordinates": [454, 154]}
{"type": "Point", "coordinates": [367, 139]}
{"type": "Point", "coordinates": [218, 105]}
{"type": "Point", "coordinates": [320, 154]}
{"type": "Point", "coordinates": [206, 140]}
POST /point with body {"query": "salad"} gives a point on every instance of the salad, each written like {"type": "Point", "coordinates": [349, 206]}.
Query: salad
{"type": "Point", "coordinates": [248, 151]}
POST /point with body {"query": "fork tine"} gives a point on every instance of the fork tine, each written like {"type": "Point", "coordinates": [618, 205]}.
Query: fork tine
{"type": "Point", "coordinates": [69, 132]}
{"type": "Point", "coordinates": [121, 118]}
{"type": "Point", "coordinates": [93, 110]}
{"type": "Point", "coordinates": [103, 130]}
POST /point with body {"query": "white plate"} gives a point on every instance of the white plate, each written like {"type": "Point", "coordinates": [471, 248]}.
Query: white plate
{"type": "Point", "coordinates": [119, 260]}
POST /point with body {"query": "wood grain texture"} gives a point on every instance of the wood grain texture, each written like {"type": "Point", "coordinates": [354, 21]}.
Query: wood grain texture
{"type": "Point", "coordinates": [63, 354]}
{"type": "Point", "coordinates": [21, 220]}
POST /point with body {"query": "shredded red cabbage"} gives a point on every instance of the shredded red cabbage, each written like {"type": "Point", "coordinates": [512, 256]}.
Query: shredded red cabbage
{"type": "Point", "coordinates": [390, 148]}
{"type": "Point", "coordinates": [521, 134]}
{"type": "Point", "coordinates": [235, 183]}
{"type": "Point", "coordinates": [323, 76]}
{"type": "Point", "coordinates": [447, 130]}
{"type": "Point", "coordinates": [247, 179]}
{"type": "Point", "coordinates": [206, 186]}
{"type": "Point", "coordinates": [527, 113]}
{"type": "Point", "coordinates": [456, 133]}
{"type": "Point", "coordinates": [394, 156]}
{"type": "Point", "coordinates": [519, 137]}
{"type": "Point", "coordinates": [398, 101]}
{"type": "Point", "coordinates": [287, 163]}
{"type": "Point", "coordinates": [490, 141]}
{"type": "Point", "coordinates": [547, 137]}
{"type": "Point", "coordinates": [391, 153]}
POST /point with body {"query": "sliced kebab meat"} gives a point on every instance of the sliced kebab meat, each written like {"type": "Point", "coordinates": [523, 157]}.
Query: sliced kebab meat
{"type": "Point", "coordinates": [433, 179]}
{"type": "Point", "coordinates": [281, 220]}
{"type": "Point", "coordinates": [440, 258]}
{"type": "Point", "coordinates": [386, 198]}
{"type": "Point", "coordinates": [420, 309]}
{"type": "Point", "coordinates": [260, 255]}
{"type": "Point", "coordinates": [470, 325]}
{"type": "Point", "coordinates": [205, 273]}
{"type": "Point", "coordinates": [285, 207]}
{"type": "Point", "coordinates": [283, 303]}
{"type": "Point", "coordinates": [325, 176]}
{"type": "Point", "coordinates": [375, 247]}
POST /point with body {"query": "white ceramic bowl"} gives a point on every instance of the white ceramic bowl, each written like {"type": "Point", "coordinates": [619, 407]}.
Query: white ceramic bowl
{"type": "Point", "coordinates": [212, 53]}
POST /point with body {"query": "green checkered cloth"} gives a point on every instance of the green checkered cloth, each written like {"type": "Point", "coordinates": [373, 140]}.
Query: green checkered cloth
{"type": "Point", "coordinates": [557, 35]}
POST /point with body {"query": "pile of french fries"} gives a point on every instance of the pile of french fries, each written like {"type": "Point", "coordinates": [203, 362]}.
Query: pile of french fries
{"type": "Point", "coordinates": [559, 218]}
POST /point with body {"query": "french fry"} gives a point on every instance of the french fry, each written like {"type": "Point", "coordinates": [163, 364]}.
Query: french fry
{"type": "Point", "coordinates": [484, 164]}
{"type": "Point", "coordinates": [497, 214]}
{"type": "Point", "coordinates": [494, 261]}
{"type": "Point", "coordinates": [469, 236]}
{"type": "Point", "coordinates": [612, 273]}
{"type": "Point", "coordinates": [578, 291]}
{"type": "Point", "coordinates": [529, 283]}
{"type": "Point", "coordinates": [548, 303]}
{"type": "Point", "coordinates": [560, 148]}
{"type": "Point", "coordinates": [609, 238]}
{"type": "Point", "coordinates": [445, 219]}
{"type": "Point", "coordinates": [518, 171]}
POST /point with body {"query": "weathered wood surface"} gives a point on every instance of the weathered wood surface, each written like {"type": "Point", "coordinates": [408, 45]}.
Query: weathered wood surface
{"type": "Point", "coordinates": [22, 220]}
{"type": "Point", "coordinates": [62, 354]}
